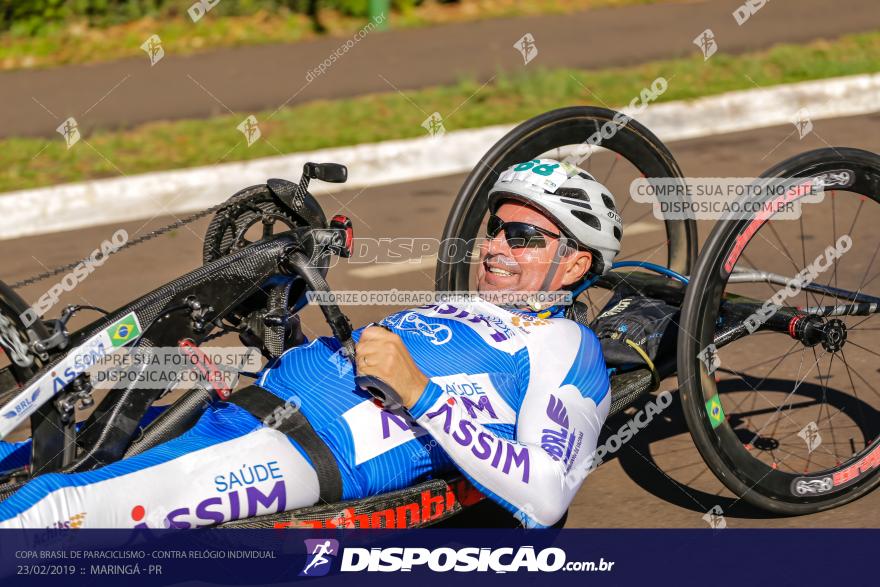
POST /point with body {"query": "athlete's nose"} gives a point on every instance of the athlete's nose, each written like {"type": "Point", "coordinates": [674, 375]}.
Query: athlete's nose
{"type": "Point", "coordinates": [497, 245]}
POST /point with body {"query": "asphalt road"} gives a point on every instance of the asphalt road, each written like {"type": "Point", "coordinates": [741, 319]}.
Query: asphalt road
{"type": "Point", "coordinates": [658, 479]}
{"type": "Point", "coordinates": [125, 93]}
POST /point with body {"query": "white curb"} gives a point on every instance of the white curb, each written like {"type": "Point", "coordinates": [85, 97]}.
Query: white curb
{"type": "Point", "coordinates": [109, 201]}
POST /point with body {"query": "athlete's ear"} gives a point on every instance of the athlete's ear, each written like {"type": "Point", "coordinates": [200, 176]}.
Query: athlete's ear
{"type": "Point", "coordinates": [575, 266]}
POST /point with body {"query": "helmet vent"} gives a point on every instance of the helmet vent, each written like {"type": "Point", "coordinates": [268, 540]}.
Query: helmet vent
{"type": "Point", "coordinates": [573, 193]}
{"type": "Point", "coordinates": [617, 234]}
{"type": "Point", "coordinates": [609, 203]}
{"type": "Point", "coordinates": [577, 203]}
{"type": "Point", "coordinates": [585, 175]}
{"type": "Point", "coordinates": [587, 219]}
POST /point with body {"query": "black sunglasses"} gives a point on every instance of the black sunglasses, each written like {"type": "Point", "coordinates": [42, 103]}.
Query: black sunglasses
{"type": "Point", "coordinates": [519, 234]}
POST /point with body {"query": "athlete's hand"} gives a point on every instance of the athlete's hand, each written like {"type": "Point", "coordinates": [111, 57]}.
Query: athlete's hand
{"type": "Point", "coordinates": [382, 354]}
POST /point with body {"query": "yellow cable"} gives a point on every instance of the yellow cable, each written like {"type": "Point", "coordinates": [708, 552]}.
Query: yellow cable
{"type": "Point", "coordinates": [654, 375]}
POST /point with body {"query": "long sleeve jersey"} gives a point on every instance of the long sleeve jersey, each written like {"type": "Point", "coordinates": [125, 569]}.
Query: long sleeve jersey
{"type": "Point", "coordinates": [515, 402]}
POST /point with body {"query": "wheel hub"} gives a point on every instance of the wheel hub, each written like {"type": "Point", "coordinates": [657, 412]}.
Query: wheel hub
{"type": "Point", "coordinates": [813, 330]}
{"type": "Point", "coordinates": [833, 335]}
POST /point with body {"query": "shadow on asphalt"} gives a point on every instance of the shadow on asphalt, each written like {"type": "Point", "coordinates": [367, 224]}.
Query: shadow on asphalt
{"type": "Point", "coordinates": [639, 463]}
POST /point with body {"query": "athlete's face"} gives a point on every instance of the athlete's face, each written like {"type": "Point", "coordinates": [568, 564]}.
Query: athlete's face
{"type": "Point", "coordinates": [503, 268]}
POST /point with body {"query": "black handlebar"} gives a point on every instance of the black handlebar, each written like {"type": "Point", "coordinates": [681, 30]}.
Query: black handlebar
{"type": "Point", "coordinates": [338, 321]}
{"type": "Point", "coordinates": [340, 325]}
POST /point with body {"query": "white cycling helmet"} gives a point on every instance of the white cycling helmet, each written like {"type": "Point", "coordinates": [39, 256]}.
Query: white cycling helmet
{"type": "Point", "coordinates": [581, 207]}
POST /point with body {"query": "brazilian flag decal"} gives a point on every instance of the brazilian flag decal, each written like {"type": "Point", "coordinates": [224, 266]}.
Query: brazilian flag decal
{"type": "Point", "coordinates": [125, 330]}
{"type": "Point", "coordinates": [715, 411]}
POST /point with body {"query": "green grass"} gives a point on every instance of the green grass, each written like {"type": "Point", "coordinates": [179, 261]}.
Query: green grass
{"type": "Point", "coordinates": [31, 162]}
{"type": "Point", "coordinates": [76, 42]}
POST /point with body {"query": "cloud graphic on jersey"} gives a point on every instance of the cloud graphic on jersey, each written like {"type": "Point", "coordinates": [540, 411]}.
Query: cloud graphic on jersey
{"type": "Point", "coordinates": [556, 411]}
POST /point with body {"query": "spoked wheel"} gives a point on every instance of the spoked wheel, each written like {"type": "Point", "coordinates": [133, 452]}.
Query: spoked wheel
{"type": "Point", "coordinates": [632, 151]}
{"type": "Point", "coordinates": [18, 361]}
{"type": "Point", "coordinates": [52, 445]}
{"type": "Point", "coordinates": [788, 417]}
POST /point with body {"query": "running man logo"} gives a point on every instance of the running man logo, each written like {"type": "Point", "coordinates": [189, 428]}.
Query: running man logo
{"type": "Point", "coordinates": [803, 122]}
{"type": "Point", "coordinates": [434, 125]}
{"type": "Point", "coordinates": [69, 129]}
{"type": "Point", "coordinates": [707, 44]}
{"type": "Point", "coordinates": [153, 48]}
{"type": "Point", "coordinates": [715, 518]}
{"type": "Point", "coordinates": [250, 129]}
{"type": "Point", "coordinates": [709, 356]}
{"type": "Point", "coordinates": [810, 434]}
{"type": "Point", "coordinates": [321, 553]}
{"type": "Point", "coordinates": [125, 330]}
{"type": "Point", "coordinates": [526, 47]}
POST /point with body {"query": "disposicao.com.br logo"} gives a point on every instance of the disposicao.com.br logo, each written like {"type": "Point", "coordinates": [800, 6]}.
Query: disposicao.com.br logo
{"type": "Point", "coordinates": [321, 553]}
{"type": "Point", "coordinates": [468, 559]}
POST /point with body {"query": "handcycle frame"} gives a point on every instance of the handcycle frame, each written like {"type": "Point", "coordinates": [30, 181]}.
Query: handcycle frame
{"type": "Point", "coordinates": [266, 277]}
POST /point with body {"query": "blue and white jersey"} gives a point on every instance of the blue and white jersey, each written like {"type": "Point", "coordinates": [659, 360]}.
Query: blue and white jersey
{"type": "Point", "coordinates": [514, 401]}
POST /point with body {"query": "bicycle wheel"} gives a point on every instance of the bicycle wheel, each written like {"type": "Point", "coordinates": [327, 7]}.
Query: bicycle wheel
{"type": "Point", "coordinates": [52, 446]}
{"type": "Point", "coordinates": [631, 151]}
{"type": "Point", "coordinates": [19, 363]}
{"type": "Point", "coordinates": [787, 416]}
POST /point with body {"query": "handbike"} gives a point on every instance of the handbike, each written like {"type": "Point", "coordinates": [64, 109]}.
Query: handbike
{"type": "Point", "coordinates": [256, 289]}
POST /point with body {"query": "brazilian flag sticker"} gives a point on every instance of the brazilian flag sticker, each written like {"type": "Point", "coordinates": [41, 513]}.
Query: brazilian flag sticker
{"type": "Point", "coordinates": [124, 330]}
{"type": "Point", "coordinates": [715, 411]}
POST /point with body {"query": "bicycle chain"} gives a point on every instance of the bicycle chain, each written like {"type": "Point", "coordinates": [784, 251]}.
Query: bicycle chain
{"type": "Point", "coordinates": [141, 239]}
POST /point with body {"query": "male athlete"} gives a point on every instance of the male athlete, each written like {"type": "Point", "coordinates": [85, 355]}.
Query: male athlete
{"type": "Point", "coordinates": [513, 399]}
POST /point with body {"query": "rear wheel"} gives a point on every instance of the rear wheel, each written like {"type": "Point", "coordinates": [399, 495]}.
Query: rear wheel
{"type": "Point", "coordinates": [630, 152]}
{"type": "Point", "coordinates": [790, 422]}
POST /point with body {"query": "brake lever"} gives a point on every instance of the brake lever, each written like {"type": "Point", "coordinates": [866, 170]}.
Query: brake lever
{"type": "Point", "coordinates": [341, 328]}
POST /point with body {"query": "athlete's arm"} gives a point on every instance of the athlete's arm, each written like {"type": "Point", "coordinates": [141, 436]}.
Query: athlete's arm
{"type": "Point", "coordinates": [565, 404]}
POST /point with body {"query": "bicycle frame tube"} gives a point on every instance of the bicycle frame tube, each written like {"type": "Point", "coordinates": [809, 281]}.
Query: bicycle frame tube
{"type": "Point", "coordinates": [740, 316]}
{"type": "Point", "coordinates": [223, 284]}
{"type": "Point", "coordinates": [751, 276]}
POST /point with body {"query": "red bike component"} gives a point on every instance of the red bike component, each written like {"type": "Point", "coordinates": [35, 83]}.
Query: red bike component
{"type": "Point", "coordinates": [206, 367]}
{"type": "Point", "coordinates": [344, 222]}
{"type": "Point", "coordinates": [414, 507]}
{"type": "Point", "coordinates": [768, 209]}
{"type": "Point", "coordinates": [792, 326]}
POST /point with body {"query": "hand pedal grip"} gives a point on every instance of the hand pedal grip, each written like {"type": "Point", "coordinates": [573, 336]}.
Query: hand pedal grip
{"type": "Point", "coordinates": [380, 390]}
